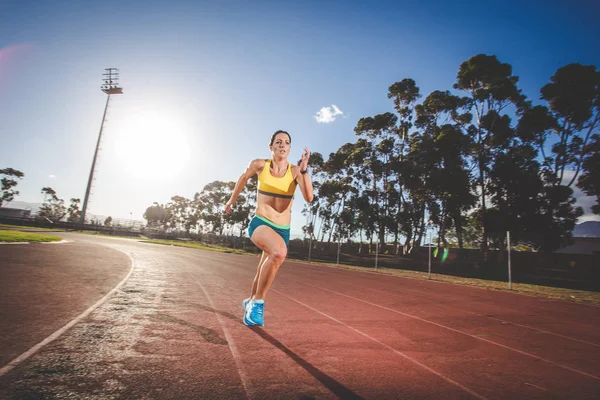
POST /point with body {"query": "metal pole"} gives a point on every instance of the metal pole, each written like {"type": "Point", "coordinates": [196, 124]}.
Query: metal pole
{"type": "Point", "coordinates": [429, 274]}
{"type": "Point", "coordinates": [509, 268]}
{"type": "Point", "coordinates": [311, 225]}
{"type": "Point", "coordinates": [376, 251]}
{"type": "Point", "coordinates": [91, 178]}
{"type": "Point", "coordinates": [338, 252]}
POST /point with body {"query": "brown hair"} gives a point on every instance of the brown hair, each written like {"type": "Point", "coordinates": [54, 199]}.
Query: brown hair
{"type": "Point", "coordinates": [276, 133]}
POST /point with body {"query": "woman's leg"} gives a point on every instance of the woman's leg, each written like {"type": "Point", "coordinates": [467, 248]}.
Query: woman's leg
{"type": "Point", "coordinates": [275, 251]}
{"type": "Point", "coordinates": [255, 282]}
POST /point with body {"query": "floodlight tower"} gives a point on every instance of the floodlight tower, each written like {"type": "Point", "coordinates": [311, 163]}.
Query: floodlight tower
{"type": "Point", "coordinates": [110, 85]}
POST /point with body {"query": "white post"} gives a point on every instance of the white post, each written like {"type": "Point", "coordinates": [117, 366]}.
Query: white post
{"type": "Point", "coordinates": [509, 268]}
{"type": "Point", "coordinates": [376, 251]}
{"type": "Point", "coordinates": [429, 274]}
{"type": "Point", "coordinates": [338, 252]}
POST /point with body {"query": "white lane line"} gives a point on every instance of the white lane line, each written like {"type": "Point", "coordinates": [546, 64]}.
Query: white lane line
{"type": "Point", "coordinates": [541, 330]}
{"type": "Point", "coordinates": [485, 316]}
{"type": "Point", "coordinates": [537, 387]}
{"type": "Point", "coordinates": [232, 347]}
{"type": "Point", "coordinates": [457, 331]}
{"type": "Point", "coordinates": [466, 389]}
{"type": "Point", "coordinates": [16, 361]}
{"type": "Point", "coordinates": [485, 298]}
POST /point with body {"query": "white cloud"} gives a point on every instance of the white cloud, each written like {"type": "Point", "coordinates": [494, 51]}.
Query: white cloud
{"type": "Point", "coordinates": [327, 115]}
{"type": "Point", "coordinates": [581, 199]}
{"type": "Point", "coordinates": [52, 176]}
{"type": "Point", "coordinates": [588, 217]}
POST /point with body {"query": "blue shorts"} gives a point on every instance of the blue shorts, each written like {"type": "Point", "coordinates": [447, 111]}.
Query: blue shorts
{"type": "Point", "coordinates": [283, 231]}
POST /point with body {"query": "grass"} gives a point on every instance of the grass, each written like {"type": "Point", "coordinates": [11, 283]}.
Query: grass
{"type": "Point", "coordinates": [11, 236]}
{"type": "Point", "coordinates": [105, 234]}
{"type": "Point", "coordinates": [554, 293]}
{"type": "Point", "coordinates": [31, 228]}
{"type": "Point", "coordinates": [196, 245]}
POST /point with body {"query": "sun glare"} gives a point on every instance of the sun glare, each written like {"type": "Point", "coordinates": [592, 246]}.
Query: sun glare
{"type": "Point", "coordinates": [153, 146]}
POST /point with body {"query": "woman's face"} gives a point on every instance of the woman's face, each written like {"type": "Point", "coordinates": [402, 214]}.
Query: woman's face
{"type": "Point", "coordinates": [281, 145]}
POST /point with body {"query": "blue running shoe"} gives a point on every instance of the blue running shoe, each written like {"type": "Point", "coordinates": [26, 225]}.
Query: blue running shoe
{"type": "Point", "coordinates": [245, 303]}
{"type": "Point", "coordinates": [255, 312]}
{"type": "Point", "coordinates": [247, 322]}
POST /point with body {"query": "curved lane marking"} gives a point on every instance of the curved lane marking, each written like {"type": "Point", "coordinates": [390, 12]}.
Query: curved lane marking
{"type": "Point", "coordinates": [18, 360]}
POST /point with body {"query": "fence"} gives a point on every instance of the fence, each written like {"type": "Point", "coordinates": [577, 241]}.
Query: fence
{"type": "Point", "coordinates": [575, 271]}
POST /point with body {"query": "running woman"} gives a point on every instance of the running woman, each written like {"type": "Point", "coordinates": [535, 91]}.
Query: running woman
{"type": "Point", "coordinates": [269, 230]}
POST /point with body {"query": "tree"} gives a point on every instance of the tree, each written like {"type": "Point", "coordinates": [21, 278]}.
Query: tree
{"type": "Point", "coordinates": [404, 93]}
{"type": "Point", "coordinates": [53, 208]}
{"type": "Point", "coordinates": [180, 209]}
{"type": "Point", "coordinates": [337, 190]}
{"type": "Point", "coordinates": [569, 122]}
{"type": "Point", "coordinates": [157, 216]}
{"type": "Point", "coordinates": [195, 214]}
{"type": "Point", "coordinates": [556, 217]}
{"type": "Point", "coordinates": [573, 96]}
{"type": "Point", "coordinates": [73, 212]}
{"type": "Point", "coordinates": [589, 181]}
{"type": "Point", "coordinates": [240, 215]}
{"type": "Point", "coordinates": [417, 169]}
{"type": "Point", "coordinates": [360, 159]}
{"type": "Point", "coordinates": [515, 189]}
{"type": "Point", "coordinates": [491, 88]}
{"type": "Point", "coordinates": [7, 193]}
{"type": "Point", "coordinates": [108, 221]}
{"type": "Point", "coordinates": [449, 182]}
{"type": "Point", "coordinates": [311, 210]}
{"type": "Point", "coordinates": [380, 134]}
{"type": "Point", "coordinates": [213, 198]}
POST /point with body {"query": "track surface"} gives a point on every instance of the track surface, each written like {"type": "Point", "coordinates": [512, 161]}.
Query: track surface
{"type": "Point", "coordinates": [173, 330]}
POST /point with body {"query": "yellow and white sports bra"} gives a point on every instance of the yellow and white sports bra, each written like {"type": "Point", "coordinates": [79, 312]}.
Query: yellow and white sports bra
{"type": "Point", "coordinates": [277, 187]}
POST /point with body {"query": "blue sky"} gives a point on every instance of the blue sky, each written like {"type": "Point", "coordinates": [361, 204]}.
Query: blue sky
{"type": "Point", "coordinates": [207, 82]}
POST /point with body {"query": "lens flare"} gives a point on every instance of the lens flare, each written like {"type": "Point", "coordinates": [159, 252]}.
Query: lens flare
{"type": "Point", "coordinates": [445, 254]}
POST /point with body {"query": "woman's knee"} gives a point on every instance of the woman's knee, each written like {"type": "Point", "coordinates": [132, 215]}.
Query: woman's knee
{"type": "Point", "coordinates": [278, 255]}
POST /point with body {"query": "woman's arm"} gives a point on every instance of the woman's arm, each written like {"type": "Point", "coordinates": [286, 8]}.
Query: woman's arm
{"type": "Point", "coordinates": [303, 180]}
{"type": "Point", "coordinates": [254, 167]}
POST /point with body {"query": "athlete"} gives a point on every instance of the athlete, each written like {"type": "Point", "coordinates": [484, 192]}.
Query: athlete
{"type": "Point", "coordinates": [269, 230]}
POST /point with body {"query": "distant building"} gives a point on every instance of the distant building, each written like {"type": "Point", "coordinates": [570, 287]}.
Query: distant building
{"type": "Point", "coordinates": [587, 229]}
{"type": "Point", "coordinates": [14, 213]}
{"type": "Point", "coordinates": [582, 245]}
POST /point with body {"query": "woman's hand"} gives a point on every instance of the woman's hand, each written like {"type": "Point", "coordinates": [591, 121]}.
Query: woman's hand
{"type": "Point", "coordinates": [228, 207]}
{"type": "Point", "coordinates": [304, 161]}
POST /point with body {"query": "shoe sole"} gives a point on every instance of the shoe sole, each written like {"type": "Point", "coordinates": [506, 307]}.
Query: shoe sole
{"type": "Point", "coordinates": [247, 318]}
{"type": "Point", "coordinates": [247, 322]}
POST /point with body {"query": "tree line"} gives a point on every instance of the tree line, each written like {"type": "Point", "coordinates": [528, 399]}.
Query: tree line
{"type": "Point", "coordinates": [53, 208]}
{"type": "Point", "coordinates": [471, 164]}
